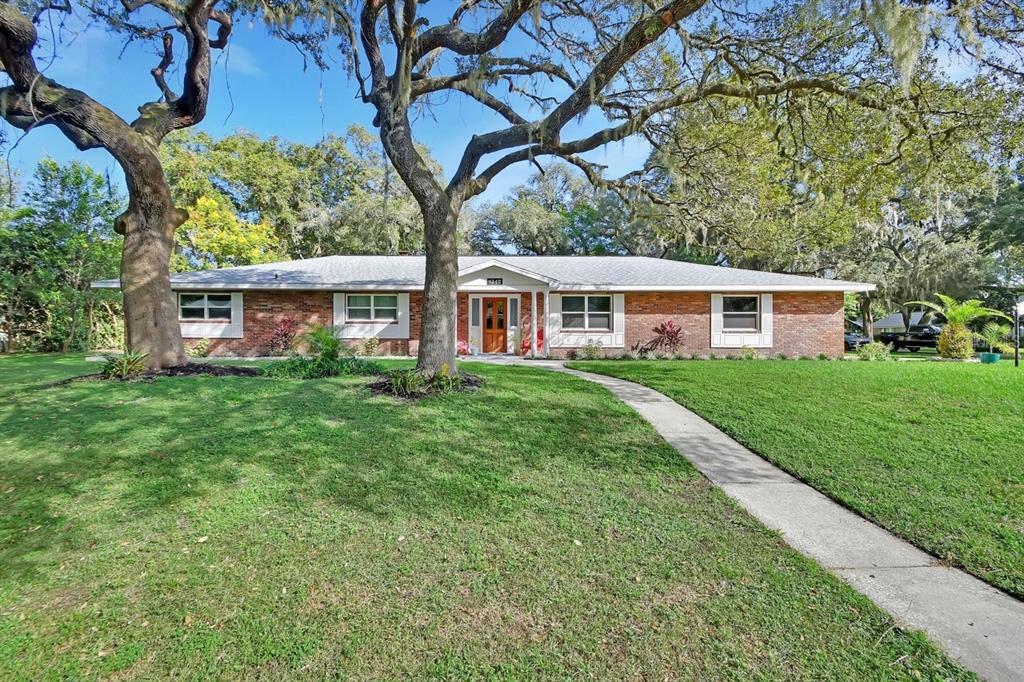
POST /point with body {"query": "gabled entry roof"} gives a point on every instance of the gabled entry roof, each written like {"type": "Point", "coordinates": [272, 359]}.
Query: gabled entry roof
{"type": "Point", "coordinates": [560, 273]}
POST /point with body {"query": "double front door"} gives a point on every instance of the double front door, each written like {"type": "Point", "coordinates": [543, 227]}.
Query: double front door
{"type": "Point", "coordinates": [495, 325]}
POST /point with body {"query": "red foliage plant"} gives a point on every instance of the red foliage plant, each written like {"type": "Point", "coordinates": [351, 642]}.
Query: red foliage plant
{"type": "Point", "coordinates": [667, 337]}
{"type": "Point", "coordinates": [284, 335]}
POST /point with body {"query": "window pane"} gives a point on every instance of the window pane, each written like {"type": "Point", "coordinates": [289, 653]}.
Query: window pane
{"type": "Point", "coordinates": [572, 304]}
{"type": "Point", "coordinates": [385, 313]}
{"type": "Point", "coordinates": [475, 313]}
{"type": "Point", "coordinates": [192, 300]}
{"type": "Point", "coordinates": [358, 301]}
{"type": "Point", "coordinates": [572, 320]}
{"type": "Point", "coordinates": [385, 301]}
{"type": "Point", "coordinates": [220, 313]}
{"type": "Point", "coordinates": [513, 312]}
{"type": "Point", "coordinates": [739, 304]}
{"type": "Point", "coordinates": [599, 304]}
{"type": "Point", "coordinates": [219, 300]}
{"type": "Point", "coordinates": [358, 313]}
{"type": "Point", "coordinates": [193, 313]}
{"type": "Point", "coordinates": [744, 321]}
{"type": "Point", "coordinates": [600, 321]}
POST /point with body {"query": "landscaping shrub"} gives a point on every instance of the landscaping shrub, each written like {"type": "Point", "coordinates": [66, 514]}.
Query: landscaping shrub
{"type": "Point", "coordinates": [592, 350]}
{"type": "Point", "coordinates": [199, 349]}
{"type": "Point", "coordinates": [994, 336]}
{"type": "Point", "coordinates": [124, 366]}
{"type": "Point", "coordinates": [369, 346]}
{"type": "Point", "coordinates": [324, 342]}
{"type": "Point", "coordinates": [320, 367]}
{"type": "Point", "coordinates": [667, 337]}
{"type": "Point", "coordinates": [875, 351]}
{"type": "Point", "coordinates": [328, 362]}
{"type": "Point", "coordinates": [409, 383]}
{"type": "Point", "coordinates": [283, 337]}
{"type": "Point", "coordinates": [524, 343]}
{"type": "Point", "coordinates": [748, 353]}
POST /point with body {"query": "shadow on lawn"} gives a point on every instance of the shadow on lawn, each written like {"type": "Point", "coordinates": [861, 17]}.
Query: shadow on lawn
{"type": "Point", "coordinates": [114, 453]}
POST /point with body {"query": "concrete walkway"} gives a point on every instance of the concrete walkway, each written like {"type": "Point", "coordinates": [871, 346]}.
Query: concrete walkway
{"type": "Point", "coordinates": [978, 625]}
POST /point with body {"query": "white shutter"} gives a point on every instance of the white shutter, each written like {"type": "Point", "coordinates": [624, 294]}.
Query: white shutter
{"type": "Point", "coordinates": [766, 320]}
{"type": "Point", "coordinates": [555, 320]}
{"type": "Point", "coordinates": [339, 310]}
{"type": "Point", "coordinates": [716, 321]}
{"type": "Point", "coordinates": [618, 319]}
{"type": "Point", "coordinates": [475, 332]}
{"type": "Point", "coordinates": [402, 331]}
{"type": "Point", "coordinates": [237, 315]}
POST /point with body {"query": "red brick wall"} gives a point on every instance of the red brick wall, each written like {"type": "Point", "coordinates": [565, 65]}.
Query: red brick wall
{"type": "Point", "coordinates": [804, 324]}
{"type": "Point", "coordinates": [263, 310]}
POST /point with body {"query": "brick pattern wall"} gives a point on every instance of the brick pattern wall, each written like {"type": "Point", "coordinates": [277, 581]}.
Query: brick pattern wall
{"type": "Point", "coordinates": [804, 324]}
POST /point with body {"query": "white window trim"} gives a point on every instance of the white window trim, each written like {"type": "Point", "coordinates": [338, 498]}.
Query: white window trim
{"type": "Point", "coordinates": [215, 328]}
{"type": "Point", "coordinates": [762, 338]}
{"type": "Point", "coordinates": [556, 337]}
{"type": "Point", "coordinates": [206, 308]}
{"type": "Point", "coordinates": [373, 307]}
{"type": "Point", "coordinates": [741, 330]}
{"type": "Point", "coordinates": [512, 325]}
{"type": "Point", "coordinates": [364, 329]}
{"type": "Point", "coordinates": [586, 328]}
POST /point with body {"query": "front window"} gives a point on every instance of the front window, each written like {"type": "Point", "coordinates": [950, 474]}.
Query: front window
{"type": "Point", "coordinates": [587, 312]}
{"type": "Point", "coordinates": [196, 307]}
{"type": "Point", "coordinates": [372, 307]}
{"type": "Point", "coordinates": [741, 313]}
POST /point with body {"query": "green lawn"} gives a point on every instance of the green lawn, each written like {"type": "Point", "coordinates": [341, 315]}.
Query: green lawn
{"type": "Point", "coordinates": [932, 451]}
{"type": "Point", "coordinates": [245, 527]}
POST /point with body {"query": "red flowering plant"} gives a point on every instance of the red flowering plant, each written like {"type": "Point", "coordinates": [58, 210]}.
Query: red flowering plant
{"type": "Point", "coordinates": [462, 348]}
{"type": "Point", "coordinates": [667, 337]}
{"type": "Point", "coordinates": [524, 346]}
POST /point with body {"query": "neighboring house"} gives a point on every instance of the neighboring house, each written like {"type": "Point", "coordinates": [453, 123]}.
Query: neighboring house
{"type": "Point", "coordinates": [517, 304]}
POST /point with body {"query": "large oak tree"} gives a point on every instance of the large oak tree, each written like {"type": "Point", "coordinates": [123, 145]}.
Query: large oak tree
{"type": "Point", "coordinates": [148, 225]}
{"type": "Point", "coordinates": [545, 66]}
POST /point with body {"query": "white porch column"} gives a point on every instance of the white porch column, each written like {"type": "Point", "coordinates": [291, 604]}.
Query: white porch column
{"type": "Point", "coordinates": [547, 336]}
{"type": "Point", "coordinates": [533, 321]}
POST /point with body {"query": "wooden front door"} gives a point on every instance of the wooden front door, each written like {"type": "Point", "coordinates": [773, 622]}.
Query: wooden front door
{"type": "Point", "coordinates": [495, 325]}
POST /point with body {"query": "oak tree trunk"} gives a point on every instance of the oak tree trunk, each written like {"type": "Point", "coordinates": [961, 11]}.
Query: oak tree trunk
{"type": "Point", "coordinates": [148, 225]}
{"type": "Point", "coordinates": [866, 317]}
{"type": "Point", "coordinates": [437, 351]}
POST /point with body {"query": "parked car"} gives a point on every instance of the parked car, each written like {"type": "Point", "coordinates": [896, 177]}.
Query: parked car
{"type": "Point", "coordinates": [852, 340]}
{"type": "Point", "coordinates": [914, 339]}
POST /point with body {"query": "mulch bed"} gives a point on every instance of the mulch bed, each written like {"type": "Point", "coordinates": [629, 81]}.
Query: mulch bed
{"type": "Point", "coordinates": [381, 386]}
{"type": "Point", "coordinates": [191, 369]}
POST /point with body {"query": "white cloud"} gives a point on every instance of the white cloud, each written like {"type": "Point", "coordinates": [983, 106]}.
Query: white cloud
{"type": "Point", "coordinates": [240, 60]}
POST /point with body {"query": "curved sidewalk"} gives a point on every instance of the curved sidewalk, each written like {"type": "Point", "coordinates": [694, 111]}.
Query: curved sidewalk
{"type": "Point", "coordinates": [978, 625]}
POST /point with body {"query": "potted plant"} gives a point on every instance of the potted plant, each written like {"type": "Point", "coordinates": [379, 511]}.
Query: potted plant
{"type": "Point", "coordinates": [994, 336]}
{"type": "Point", "coordinates": [956, 339]}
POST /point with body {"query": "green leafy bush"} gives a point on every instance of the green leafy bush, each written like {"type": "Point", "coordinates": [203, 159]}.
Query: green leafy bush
{"type": "Point", "coordinates": [324, 342]}
{"type": "Point", "coordinates": [124, 366]}
{"type": "Point", "coordinates": [320, 367]}
{"type": "Point", "coordinates": [369, 346]}
{"type": "Point", "coordinates": [199, 349]}
{"type": "Point", "coordinates": [875, 351]}
{"type": "Point", "coordinates": [748, 353]}
{"type": "Point", "coordinates": [408, 383]}
{"type": "Point", "coordinates": [592, 350]}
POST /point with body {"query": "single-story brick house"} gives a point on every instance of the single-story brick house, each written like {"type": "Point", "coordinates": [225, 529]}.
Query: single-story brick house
{"type": "Point", "coordinates": [518, 304]}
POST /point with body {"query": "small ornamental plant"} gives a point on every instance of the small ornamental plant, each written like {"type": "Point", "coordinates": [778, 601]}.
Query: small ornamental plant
{"type": "Point", "coordinates": [668, 336]}
{"type": "Point", "coordinates": [283, 337]}
{"type": "Point", "coordinates": [876, 351]}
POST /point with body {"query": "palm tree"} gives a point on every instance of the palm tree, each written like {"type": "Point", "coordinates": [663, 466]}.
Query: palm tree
{"type": "Point", "coordinates": [994, 336]}
{"type": "Point", "coordinates": [956, 340]}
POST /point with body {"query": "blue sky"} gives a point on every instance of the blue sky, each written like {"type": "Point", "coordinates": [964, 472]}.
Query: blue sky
{"type": "Point", "coordinates": [259, 85]}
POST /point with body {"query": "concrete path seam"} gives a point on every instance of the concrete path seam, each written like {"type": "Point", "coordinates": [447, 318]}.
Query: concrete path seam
{"type": "Point", "coordinates": [978, 625]}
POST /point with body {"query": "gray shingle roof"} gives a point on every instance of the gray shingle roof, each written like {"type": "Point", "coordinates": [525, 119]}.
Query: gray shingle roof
{"type": "Point", "coordinates": [620, 273]}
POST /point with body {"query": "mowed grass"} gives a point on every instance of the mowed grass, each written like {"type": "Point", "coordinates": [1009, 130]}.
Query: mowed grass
{"type": "Point", "coordinates": [932, 451]}
{"type": "Point", "coordinates": [204, 527]}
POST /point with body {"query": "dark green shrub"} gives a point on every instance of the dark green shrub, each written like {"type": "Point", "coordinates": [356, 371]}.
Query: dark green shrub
{"type": "Point", "coordinates": [320, 367]}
